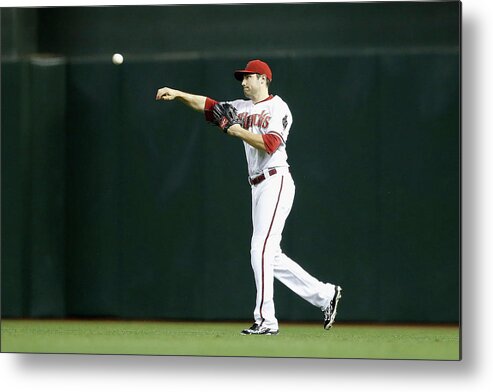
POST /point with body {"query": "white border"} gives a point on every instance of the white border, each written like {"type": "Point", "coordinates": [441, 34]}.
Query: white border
{"type": "Point", "coordinates": [124, 373]}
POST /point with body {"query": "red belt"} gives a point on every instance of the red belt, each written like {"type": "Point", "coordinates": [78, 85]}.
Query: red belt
{"type": "Point", "coordinates": [257, 180]}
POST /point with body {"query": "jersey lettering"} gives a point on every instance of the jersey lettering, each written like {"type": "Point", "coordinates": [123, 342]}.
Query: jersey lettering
{"type": "Point", "coordinates": [258, 120]}
{"type": "Point", "coordinates": [271, 119]}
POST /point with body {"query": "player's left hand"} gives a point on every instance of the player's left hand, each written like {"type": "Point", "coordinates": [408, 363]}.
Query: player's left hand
{"type": "Point", "coordinates": [225, 116]}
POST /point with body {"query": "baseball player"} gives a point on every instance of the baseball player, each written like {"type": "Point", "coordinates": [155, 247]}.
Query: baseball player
{"type": "Point", "coordinates": [263, 122]}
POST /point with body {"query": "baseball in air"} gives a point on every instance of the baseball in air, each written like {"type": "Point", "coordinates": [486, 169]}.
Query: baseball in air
{"type": "Point", "coordinates": [117, 58]}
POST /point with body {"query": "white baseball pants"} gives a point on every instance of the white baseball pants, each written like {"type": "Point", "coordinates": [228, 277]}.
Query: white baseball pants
{"type": "Point", "coordinates": [272, 200]}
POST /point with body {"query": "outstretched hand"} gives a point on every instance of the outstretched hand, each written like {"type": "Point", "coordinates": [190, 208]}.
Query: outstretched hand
{"type": "Point", "coordinates": [196, 102]}
{"type": "Point", "coordinates": [166, 94]}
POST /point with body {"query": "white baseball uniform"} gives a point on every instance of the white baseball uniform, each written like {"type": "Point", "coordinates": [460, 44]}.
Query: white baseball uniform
{"type": "Point", "coordinates": [272, 198]}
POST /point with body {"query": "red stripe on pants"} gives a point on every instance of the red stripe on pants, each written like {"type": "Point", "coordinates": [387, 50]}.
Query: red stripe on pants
{"type": "Point", "coordinates": [265, 244]}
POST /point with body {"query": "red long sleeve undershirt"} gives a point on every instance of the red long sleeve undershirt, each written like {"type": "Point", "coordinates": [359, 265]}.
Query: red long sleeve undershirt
{"type": "Point", "coordinates": [271, 142]}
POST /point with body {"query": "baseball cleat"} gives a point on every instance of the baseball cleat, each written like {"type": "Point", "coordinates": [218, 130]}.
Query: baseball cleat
{"type": "Point", "coordinates": [256, 329]}
{"type": "Point", "coordinates": [331, 311]}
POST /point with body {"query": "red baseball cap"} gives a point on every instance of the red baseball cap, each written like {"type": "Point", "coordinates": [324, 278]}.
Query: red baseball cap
{"type": "Point", "coordinates": [254, 67]}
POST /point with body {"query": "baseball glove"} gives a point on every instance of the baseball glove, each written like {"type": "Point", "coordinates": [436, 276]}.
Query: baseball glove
{"type": "Point", "coordinates": [225, 115]}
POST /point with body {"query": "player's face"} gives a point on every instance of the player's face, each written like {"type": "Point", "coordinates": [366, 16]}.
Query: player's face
{"type": "Point", "coordinates": [251, 85]}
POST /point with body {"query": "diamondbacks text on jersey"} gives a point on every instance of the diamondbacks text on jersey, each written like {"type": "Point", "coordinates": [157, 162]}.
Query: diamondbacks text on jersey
{"type": "Point", "coordinates": [270, 117]}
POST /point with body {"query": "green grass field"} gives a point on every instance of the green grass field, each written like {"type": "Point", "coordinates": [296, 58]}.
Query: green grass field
{"type": "Point", "coordinates": [223, 339]}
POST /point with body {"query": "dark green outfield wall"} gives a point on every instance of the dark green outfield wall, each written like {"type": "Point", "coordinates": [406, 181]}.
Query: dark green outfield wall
{"type": "Point", "coordinates": [116, 205]}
